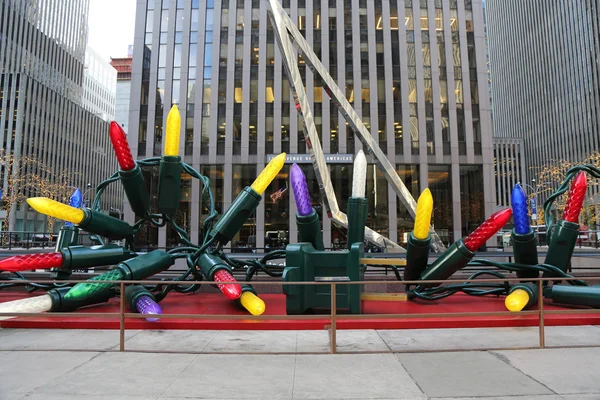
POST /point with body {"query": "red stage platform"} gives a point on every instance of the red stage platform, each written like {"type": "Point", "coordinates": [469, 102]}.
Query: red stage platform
{"type": "Point", "coordinates": [216, 304]}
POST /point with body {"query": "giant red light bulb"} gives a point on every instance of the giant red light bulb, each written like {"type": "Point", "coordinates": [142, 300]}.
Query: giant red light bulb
{"type": "Point", "coordinates": [121, 146]}
{"type": "Point", "coordinates": [28, 262]}
{"type": "Point", "coordinates": [488, 229]}
{"type": "Point", "coordinates": [232, 291]}
{"type": "Point", "coordinates": [576, 198]}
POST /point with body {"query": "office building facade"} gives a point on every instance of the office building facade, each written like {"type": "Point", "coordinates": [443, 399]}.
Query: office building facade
{"type": "Point", "coordinates": [123, 67]}
{"type": "Point", "coordinates": [99, 86]}
{"type": "Point", "coordinates": [546, 81]}
{"type": "Point", "coordinates": [42, 53]}
{"type": "Point", "coordinates": [419, 85]}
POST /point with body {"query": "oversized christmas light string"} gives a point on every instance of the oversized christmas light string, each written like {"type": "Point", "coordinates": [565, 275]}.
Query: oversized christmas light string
{"type": "Point", "coordinates": [214, 237]}
{"type": "Point", "coordinates": [212, 240]}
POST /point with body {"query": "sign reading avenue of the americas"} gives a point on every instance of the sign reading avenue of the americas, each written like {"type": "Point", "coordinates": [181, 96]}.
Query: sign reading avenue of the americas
{"type": "Point", "coordinates": [305, 158]}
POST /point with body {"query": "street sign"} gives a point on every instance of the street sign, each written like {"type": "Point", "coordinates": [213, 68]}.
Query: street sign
{"type": "Point", "coordinates": [533, 206]}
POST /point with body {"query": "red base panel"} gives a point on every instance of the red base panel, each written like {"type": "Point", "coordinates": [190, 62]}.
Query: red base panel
{"type": "Point", "coordinates": [217, 304]}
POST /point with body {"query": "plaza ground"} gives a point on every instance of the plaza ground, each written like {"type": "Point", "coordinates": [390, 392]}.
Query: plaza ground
{"type": "Point", "coordinates": [402, 364]}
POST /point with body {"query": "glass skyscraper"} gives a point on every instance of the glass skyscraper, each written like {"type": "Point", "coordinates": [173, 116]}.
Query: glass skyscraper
{"type": "Point", "coordinates": [415, 71]}
{"type": "Point", "coordinates": [545, 70]}
{"type": "Point", "coordinates": [42, 53]}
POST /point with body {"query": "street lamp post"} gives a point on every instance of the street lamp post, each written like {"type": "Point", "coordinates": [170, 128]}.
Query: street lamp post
{"type": "Point", "coordinates": [533, 202]}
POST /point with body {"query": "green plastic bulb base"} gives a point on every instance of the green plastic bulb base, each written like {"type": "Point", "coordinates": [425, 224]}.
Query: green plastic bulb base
{"type": "Point", "coordinates": [236, 215]}
{"type": "Point", "coordinates": [309, 230]}
{"type": "Point", "coordinates": [561, 246]}
{"type": "Point", "coordinates": [525, 249]}
{"type": "Point", "coordinates": [138, 268]}
{"type": "Point", "coordinates": [105, 225]}
{"type": "Point", "coordinates": [135, 190]}
{"type": "Point", "coordinates": [134, 292]}
{"type": "Point", "coordinates": [358, 210]}
{"type": "Point", "coordinates": [62, 304]}
{"type": "Point", "coordinates": [574, 295]}
{"type": "Point", "coordinates": [146, 265]}
{"type": "Point", "coordinates": [417, 256]}
{"type": "Point", "coordinates": [209, 264]}
{"type": "Point", "coordinates": [81, 257]}
{"type": "Point", "coordinates": [169, 184]}
{"type": "Point", "coordinates": [454, 258]}
{"type": "Point", "coordinates": [67, 236]}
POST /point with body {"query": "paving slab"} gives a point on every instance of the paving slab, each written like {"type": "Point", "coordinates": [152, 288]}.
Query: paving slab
{"type": "Point", "coordinates": [347, 341]}
{"type": "Point", "coordinates": [24, 371]}
{"type": "Point", "coordinates": [528, 397]}
{"type": "Point", "coordinates": [193, 341]}
{"type": "Point", "coordinates": [572, 335]}
{"type": "Point", "coordinates": [121, 374]}
{"type": "Point", "coordinates": [352, 376]}
{"type": "Point", "coordinates": [212, 376]}
{"type": "Point", "coordinates": [46, 396]}
{"type": "Point", "coordinates": [468, 374]}
{"type": "Point", "coordinates": [61, 339]}
{"type": "Point", "coordinates": [565, 371]}
{"type": "Point", "coordinates": [253, 342]}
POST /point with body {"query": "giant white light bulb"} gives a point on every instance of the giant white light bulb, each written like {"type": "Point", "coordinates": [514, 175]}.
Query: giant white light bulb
{"type": "Point", "coordinates": [30, 305]}
{"type": "Point", "coordinates": [359, 181]}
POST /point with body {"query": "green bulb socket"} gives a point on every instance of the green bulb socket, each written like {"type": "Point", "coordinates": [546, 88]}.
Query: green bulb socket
{"type": "Point", "coordinates": [209, 264]}
{"type": "Point", "coordinates": [562, 243]}
{"type": "Point", "coordinates": [81, 257]}
{"type": "Point", "coordinates": [358, 210]}
{"type": "Point", "coordinates": [146, 265]}
{"type": "Point", "coordinates": [309, 230]}
{"type": "Point", "coordinates": [454, 258]}
{"type": "Point", "coordinates": [530, 288]}
{"type": "Point", "coordinates": [525, 249]}
{"type": "Point", "coordinates": [61, 304]}
{"type": "Point", "coordinates": [133, 293]}
{"type": "Point", "coordinates": [67, 236]}
{"type": "Point", "coordinates": [236, 215]}
{"type": "Point", "coordinates": [417, 256]}
{"type": "Point", "coordinates": [105, 225]}
{"type": "Point", "coordinates": [574, 295]}
{"type": "Point", "coordinates": [169, 184]}
{"type": "Point", "coordinates": [135, 190]}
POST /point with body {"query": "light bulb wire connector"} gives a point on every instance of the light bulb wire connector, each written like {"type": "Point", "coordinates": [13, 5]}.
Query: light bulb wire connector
{"type": "Point", "coordinates": [135, 189]}
{"type": "Point", "coordinates": [417, 256]}
{"type": "Point", "coordinates": [454, 258]}
{"type": "Point", "coordinates": [309, 229]}
{"type": "Point", "coordinates": [357, 211]}
{"type": "Point", "coordinates": [236, 215]}
{"type": "Point", "coordinates": [169, 184]}
{"type": "Point", "coordinates": [525, 251]}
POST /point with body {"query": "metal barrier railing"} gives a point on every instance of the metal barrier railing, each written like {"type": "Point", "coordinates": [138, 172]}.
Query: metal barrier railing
{"type": "Point", "coordinates": [332, 317]}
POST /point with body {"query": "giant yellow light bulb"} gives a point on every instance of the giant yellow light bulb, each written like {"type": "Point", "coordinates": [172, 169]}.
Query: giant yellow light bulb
{"type": "Point", "coordinates": [264, 179]}
{"type": "Point", "coordinates": [173, 132]}
{"type": "Point", "coordinates": [55, 209]}
{"type": "Point", "coordinates": [423, 215]}
{"type": "Point", "coordinates": [252, 303]}
{"type": "Point", "coordinates": [517, 300]}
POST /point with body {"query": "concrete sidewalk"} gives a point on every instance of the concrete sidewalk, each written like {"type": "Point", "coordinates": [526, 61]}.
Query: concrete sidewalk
{"type": "Point", "coordinates": [34, 365]}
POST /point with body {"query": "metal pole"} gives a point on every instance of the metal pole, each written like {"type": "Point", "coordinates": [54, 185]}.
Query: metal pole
{"type": "Point", "coordinates": [333, 338]}
{"type": "Point", "coordinates": [122, 322]}
{"type": "Point", "coordinates": [541, 315]}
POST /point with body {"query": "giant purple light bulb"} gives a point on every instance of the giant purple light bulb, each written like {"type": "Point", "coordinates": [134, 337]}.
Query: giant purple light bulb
{"type": "Point", "coordinates": [145, 305]}
{"type": "Point", "coordinates": [300, 191]}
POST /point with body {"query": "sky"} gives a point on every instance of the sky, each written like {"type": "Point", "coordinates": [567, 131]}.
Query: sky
{"type": "Point", "coordinates": [111, 26]}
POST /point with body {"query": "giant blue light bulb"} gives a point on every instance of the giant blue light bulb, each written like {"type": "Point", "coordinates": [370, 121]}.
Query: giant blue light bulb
{"type": "Point", "coordinates": [520, 210]}
{"type": "Point", "coordinates": [75, 200]}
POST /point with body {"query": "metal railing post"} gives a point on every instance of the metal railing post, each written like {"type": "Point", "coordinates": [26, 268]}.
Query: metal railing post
{"type": "Point", "coordinates": [122, 322]}
{"type": "Point", "coordinates": [541, 315]}
{"type": "Point", "coordinates": [333, 335]}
